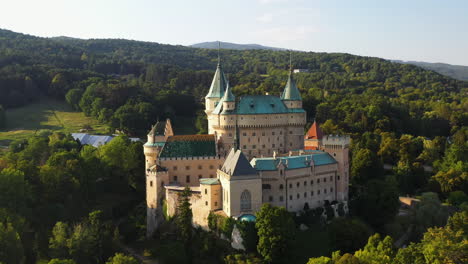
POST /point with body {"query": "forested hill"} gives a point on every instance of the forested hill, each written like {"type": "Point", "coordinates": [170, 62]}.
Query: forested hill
{"type": "Point", "coordinates": [129, 84]}
{"type": "Point", "coordinates": [235, 46]}
{"type": "Point", "coordinates": [459, 72]}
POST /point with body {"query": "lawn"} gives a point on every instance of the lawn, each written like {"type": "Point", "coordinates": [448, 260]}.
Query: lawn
{"type": "Point", "coordinates": [45, 114]}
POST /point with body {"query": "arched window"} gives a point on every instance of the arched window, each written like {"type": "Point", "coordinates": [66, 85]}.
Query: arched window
{"type": "Point", "coordinates": [246, 203]}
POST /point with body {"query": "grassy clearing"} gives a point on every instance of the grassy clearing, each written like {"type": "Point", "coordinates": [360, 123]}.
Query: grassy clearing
{"type": "Point", "coordinates": [48, 114]}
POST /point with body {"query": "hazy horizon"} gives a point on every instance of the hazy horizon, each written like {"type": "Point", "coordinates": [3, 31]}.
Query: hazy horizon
{"type": "Point", "coordinates": [425, 31]}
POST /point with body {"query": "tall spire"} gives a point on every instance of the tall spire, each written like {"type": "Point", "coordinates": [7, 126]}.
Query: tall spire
{"type": "Point", "coordinates": [290, 61]}
{"type": "Point", "coordinates": [219, 57]}
{"type": "Point", "coordinates": [218, 85]}
{"type": "Point", "coordinates": [291, 92]}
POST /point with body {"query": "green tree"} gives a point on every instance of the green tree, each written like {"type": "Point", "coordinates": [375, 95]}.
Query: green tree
{"type": "Point", "coordinates": [365, 166]}
{"type": "Point", "coordinates": [457, 198]}
{"type": "Point", "coordinates": [444, 245]}
{"type": "Point", "coordinates": [377, 203]}
{"type": "Point", "coordinates": [2, 117]}
{"type": "Point", "coordinates": [11, 249]}
{"type": "Point", "coordinates": [429, 212]}
{"type": "Point", "coordinates": [348, 234]}
{"type": "Point", "coordinates": [13, 190]}
{"type": "Point", "coordinates": [452, 170]}
{"type": "Point", "coordinates": [376, 250]}
{"type": "Point", "coordinates": [73, 98]}
{"type": "Point", "coordinates": [61, 261]}
{"type": "Point", "coordinates": [411, 254]}
{"type": "Point", "coordinates": [184, 219]}
{"type": "Point", "coordinates": [276, 231]}
{"type": "Point", "coordinates": [120, 258]}
{"type": "Point", "coordinates": [58, 242]}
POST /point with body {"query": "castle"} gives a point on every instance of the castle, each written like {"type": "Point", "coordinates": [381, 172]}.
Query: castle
{"type": "Point", "coordinates": [256, 152]}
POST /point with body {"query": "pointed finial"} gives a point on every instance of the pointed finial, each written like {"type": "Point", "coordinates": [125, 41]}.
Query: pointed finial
{"type": "Point", "coordinates": [219, 48]}
{"type": "Point", "coordinates": [290, 60]}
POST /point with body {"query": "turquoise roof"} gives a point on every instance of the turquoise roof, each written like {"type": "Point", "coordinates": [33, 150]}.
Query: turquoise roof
{"type": "Point", "coordinates": [292, 162]}
{"type": "Point", "coordinates": [209, 181]}
{"type": "Point", "coordinates": [155, 144]}
{"type": "Point", "coordinates": [228, 96]}
{"type": "Point", "coordinates": [218, 85]}
{"type": "Point", "coordinates": [291, 93]}
{"type": "Point", "coordinates": [247, 218]}
{"type": "Point", "coordinates": [256, 104]}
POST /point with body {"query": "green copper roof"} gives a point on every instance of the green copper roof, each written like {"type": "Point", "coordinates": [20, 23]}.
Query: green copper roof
{"type": "Point", "coordinates": [189, 146]}
{"type": "Point", "coordinates": [254, 104]}
{"type": "Point", "coordinates": [290, 91]}
{"type": "Point", "coordinates": [292, 162]}
{"type": "Point", "coordinates": [218, 85]}
{"type": "Point", "coordinates": [228, 96]}
{"type": "Point", "coordinates": [209, 181]}
{"type": "Point", "coordinates": [155, 144]}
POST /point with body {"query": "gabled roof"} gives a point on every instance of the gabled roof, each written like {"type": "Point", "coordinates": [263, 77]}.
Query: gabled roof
{"type": "Point", "coordinates": [291, 93]}
{"type": "Point", "coordinates": [236, 164]}
{"type": "Point", "coordinates": [189, 146]}
{"type": "Point", "coordinates": [218, 85]}
{"type": "Point", "coordinates": [95, 140]}
{"type": "Point", "coordinates": [293, 162]}
{"type": "Point", "coordinates": [314, 132]}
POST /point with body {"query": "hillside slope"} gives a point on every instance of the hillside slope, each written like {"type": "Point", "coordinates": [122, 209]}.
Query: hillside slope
{"type": "Point", "coordinates": [130, 84]}
{"type": "Point", "coordinates": [234, 46]}
{"type": "Point", "coordinates": [458, 72]}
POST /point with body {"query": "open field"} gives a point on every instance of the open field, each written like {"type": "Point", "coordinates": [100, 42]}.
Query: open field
{"type": "Point", "coordinates": [46, 114]}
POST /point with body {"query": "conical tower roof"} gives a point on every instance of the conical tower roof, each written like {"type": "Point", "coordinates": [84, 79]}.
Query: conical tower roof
{"type": "Point", "coordinates": [291, 93]}
{"type": "Point", "coordinates": [218, 85]}
{"type": "Point", "coordinates": [228, 96]}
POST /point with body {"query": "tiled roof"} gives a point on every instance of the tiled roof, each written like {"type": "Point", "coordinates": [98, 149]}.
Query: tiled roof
{"type": "Point", "coordinates": [218, 85]}
{"type": "Point", "coordinates": [314, 132]}
{"type": "Point", "coordinates": [236, 164]}
{"type": "Point", "coordinates": [209, 181]}
{"type": "Point", "coordinates": [293, 162]}
{"type": "Point", "coordinates": [189, 146]}
{"type": "Point", "coordinates": [291, 92]}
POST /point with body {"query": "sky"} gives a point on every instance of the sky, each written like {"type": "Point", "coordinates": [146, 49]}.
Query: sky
{"type": "Point", "coordinates": [418, 30]}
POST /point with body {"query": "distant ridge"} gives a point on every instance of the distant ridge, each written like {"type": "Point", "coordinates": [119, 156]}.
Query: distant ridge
{"type": "Point", "coordinates": [458, 72]}
{"type": "Point", "coordinates": [234, 46]}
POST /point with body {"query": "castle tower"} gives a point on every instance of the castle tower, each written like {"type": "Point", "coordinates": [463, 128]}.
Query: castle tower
{"type": "Point", "coordinates": [338, 147]}
{"type": "Point", "coordinates": [291, 95]}
{"type": "Point", "coordinates": [216, 92]}
{"type": "Point", "coordinates": [155, 174]}
{"type": "Point", "coordinates": [228, 100]}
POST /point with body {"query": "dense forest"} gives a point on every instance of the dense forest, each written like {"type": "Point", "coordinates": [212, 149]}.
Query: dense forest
{"type": "Point", "coordinates": [56, 193]}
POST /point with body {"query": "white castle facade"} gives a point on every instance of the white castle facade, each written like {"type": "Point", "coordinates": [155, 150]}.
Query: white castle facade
{"type": "Point", "coordinates": [256, 152]}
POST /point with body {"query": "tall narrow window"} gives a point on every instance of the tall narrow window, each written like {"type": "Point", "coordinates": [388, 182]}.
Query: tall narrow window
{"type": "Point", "coordinates": [246, 203]}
